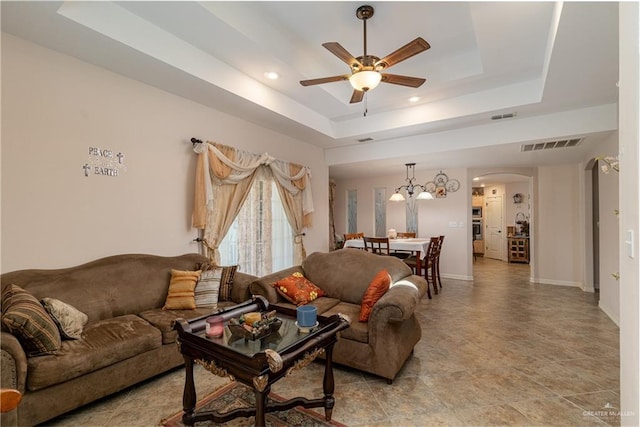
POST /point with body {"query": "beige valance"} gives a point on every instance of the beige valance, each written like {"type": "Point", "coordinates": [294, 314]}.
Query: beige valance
{"type": "Point", "coordinates": [224, 176]}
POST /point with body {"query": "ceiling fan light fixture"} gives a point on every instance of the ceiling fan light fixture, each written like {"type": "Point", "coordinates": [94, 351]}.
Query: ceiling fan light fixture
{"type": "Point", "coordinates": [365, 80]}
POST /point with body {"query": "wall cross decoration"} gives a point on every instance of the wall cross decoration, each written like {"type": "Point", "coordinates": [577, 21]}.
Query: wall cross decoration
{"type": "Point", "coordinates": [103, 162]}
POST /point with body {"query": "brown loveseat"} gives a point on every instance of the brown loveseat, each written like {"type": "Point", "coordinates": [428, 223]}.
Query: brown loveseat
{"type": "Point", "coordinates": [128, 337]}
{"type": "Point", "coordinates": [383, 344]}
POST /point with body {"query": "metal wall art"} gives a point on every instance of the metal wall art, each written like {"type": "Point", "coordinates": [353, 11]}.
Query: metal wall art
{"type": "Point", "coordinates": [103, 162]}
{"type": "Point", "coordinates": [441, 185]}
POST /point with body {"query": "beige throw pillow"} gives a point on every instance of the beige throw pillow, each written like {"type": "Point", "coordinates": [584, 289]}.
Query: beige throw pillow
{"type": "Point", "coordinates": [69, 319]}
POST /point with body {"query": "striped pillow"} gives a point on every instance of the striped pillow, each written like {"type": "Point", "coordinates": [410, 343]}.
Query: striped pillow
{"type": "Point", "coordinates": [206, 294]}
{"type": "Point", "coordinates": [181, 294]}
{"type": "Point", "coordinates": [226, 282]}
{"type": "Point", "coordinates": [27, 319]}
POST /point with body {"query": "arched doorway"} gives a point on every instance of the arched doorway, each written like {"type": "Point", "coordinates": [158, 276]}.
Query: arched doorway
{"type": "Point", "coordinates": [505, 218]}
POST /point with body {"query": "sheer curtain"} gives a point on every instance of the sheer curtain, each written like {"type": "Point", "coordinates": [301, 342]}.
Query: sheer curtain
{"type": "Point", "coordinates": [260, 239]}
{"type": "Point", "coordinates": [224, 177]}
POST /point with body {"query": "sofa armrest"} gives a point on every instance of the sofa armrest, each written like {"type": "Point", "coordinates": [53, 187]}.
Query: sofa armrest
{"type": "Point", "coordinates": [400, 301]}
{"type": "Point", "coordinates": [240, 290]}
{"type": "Point", "coordinates": [13, 363]}
{"type": "Point", "coordinates": [264, 285]}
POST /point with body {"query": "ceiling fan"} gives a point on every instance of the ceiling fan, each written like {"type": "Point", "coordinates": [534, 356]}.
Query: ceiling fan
{"type": "Point", "coordinates": [366, 70]}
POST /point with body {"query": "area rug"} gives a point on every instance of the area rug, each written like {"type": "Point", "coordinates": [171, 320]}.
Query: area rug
{"type": "Point", "coordinates": [234, 395]}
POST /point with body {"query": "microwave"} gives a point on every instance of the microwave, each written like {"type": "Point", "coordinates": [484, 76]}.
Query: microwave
{"type": "Point", "coordinates": [476, 212]}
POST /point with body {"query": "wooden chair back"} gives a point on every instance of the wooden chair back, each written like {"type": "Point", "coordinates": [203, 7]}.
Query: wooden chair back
{"type": "Point", "coordinates": [406, 235]}
{"type": "Point", "coordinates": [377, 245]}
{"type": "Point", "coordinates": [351, 236]}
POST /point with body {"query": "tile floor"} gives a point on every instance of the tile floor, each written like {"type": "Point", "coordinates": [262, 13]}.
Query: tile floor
{"type": "Point", "coordinates": [495, 351]}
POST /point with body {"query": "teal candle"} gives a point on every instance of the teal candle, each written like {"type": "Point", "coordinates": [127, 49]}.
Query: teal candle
{"type": "Point", "coordinates": [307, 316]}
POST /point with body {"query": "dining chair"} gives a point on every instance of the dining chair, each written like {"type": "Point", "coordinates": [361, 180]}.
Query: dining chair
{"type": "Point", "coordinates": [428, 265]}
{"type": "Point", "coordinates": [377, 245]}
{"type": "Point", "coordinates": [437, 259]}
{"type": "Point", "coordinates": [351, 236]}
{"type": "Point", "coordinates": [406, 235]}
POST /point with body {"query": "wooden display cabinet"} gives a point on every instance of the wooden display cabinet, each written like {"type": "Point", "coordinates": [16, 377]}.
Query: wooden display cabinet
{"type": "Point", "coordinates": [519, 249]}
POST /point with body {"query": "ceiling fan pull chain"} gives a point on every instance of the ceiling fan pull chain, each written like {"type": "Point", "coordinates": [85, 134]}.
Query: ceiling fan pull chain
{"type": "Point", "coordinates": [365, 104]}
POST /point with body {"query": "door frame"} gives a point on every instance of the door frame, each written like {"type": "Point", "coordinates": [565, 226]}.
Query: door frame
{"type": "Point", "coordinates": [488, 238]}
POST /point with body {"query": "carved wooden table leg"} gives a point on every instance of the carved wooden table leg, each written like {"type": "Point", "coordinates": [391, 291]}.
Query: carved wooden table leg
{"type": "Point", "coordinates": [327, 383]}
{"type": "Point", "coordinates": [189, 395]}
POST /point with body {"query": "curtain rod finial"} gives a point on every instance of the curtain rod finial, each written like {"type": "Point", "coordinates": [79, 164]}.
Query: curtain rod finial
{"type": "Point", "coordinates": [196, 141]}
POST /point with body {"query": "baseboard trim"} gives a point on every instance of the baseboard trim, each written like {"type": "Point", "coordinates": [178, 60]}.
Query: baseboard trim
{"type": "Point", "coordinates": [556, 282]}
{"type": "Point", "coordinates": [457, 277]}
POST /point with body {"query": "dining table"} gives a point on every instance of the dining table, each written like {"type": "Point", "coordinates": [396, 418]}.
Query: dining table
{"type": "Point", "coordinates": [416, 245]}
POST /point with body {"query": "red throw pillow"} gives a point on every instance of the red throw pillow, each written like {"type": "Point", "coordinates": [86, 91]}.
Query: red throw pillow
{"type": "Point", "coordinates": [297, 289]}
{"type": "Point", "coordinates": [377, 288]}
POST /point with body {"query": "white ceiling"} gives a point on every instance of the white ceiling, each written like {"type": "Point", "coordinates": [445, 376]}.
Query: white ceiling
{"type": "Point", "coordinates": [553, 64]}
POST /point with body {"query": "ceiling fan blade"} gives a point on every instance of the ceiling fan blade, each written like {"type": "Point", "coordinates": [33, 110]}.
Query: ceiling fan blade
{"type": "Point", "coordinates": [405, 52]}
{"type": "Point", "coordinates": [342, 53]}
{"type": "Point", "coordinates": [357, 96]}
{"type": "Point", "coordinates": [402, 80]}
{"type": "Point", "coordinates": [324, 80]}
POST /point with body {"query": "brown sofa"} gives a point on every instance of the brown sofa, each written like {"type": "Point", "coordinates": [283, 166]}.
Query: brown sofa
{"type": "Point", "coordinates": [383, 344]}
{"type": "Point", "coordinates": [128, 337]}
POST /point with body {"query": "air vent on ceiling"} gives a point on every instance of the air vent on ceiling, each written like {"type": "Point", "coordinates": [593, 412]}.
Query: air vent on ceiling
{"type": "Point", "coordinates": [562, 143]}
{"type": "Point", "coordinates": [365, 140]}
{"type": "Point", "coordinates": [503, 116]}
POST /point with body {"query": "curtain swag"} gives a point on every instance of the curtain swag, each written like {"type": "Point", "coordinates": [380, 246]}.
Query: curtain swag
{"type": "Point", "coordinates": [225, 175]}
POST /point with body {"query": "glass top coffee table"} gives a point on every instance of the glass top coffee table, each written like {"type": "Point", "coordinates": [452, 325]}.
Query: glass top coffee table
{"type": "Point", "coordinates": [257, 363]}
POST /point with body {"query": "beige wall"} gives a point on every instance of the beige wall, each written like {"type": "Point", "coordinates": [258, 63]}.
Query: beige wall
{"type": "Point", "coordinates": [559, 256]}
{"type": "Point", "coordinates": [55, 107]}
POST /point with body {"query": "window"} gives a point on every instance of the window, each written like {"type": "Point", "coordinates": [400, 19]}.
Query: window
{"type": "Point", "coordinates": [352, 211]}
{"type": "Point", "coordinates": [380, 210]}
{"type": "Point", "coordinates": [260, 240]}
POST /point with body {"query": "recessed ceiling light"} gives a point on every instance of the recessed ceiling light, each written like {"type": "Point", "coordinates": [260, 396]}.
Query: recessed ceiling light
{"type": "Point", "coordinates": [271, 75]}
{"type": "Point", "coordinates": [414, 99]}
{"type": "Point", "coordinates": [477, 178]}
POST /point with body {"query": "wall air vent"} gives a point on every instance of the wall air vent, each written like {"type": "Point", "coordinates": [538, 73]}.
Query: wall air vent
{"type": "Point", "coordinates": [365, 140]}
{"type": "Point", "coordinates": [503, 116]}
{"type": "Point", "coordinates": [563, 143]}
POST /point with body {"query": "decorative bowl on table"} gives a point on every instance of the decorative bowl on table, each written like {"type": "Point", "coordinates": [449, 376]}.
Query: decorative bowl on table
{"type": "Point", "coordinates": [249, 327]}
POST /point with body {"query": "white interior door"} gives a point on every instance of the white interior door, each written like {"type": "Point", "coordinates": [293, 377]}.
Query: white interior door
{"type": "Point", "coordinates": [493, 227]}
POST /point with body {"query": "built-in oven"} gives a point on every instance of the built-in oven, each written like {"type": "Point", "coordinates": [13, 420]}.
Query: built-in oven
{"type": "Point", "coordinates": [477, 229]}
{"type": "Point", "coordinates": [476, 212]}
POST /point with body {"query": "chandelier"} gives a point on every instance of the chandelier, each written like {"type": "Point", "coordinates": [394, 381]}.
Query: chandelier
{"type": "Point", "coordinates": [410, 187]}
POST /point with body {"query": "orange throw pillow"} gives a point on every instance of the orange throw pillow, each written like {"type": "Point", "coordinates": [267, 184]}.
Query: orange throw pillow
{"type": "Point", "coordinates": [297, 289]}
{"type": "Point", "coordinates": [377, 288]}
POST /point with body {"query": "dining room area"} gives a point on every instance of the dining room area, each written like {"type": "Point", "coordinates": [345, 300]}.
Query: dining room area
{"type": "Point", "coordinates": [422, 255]}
